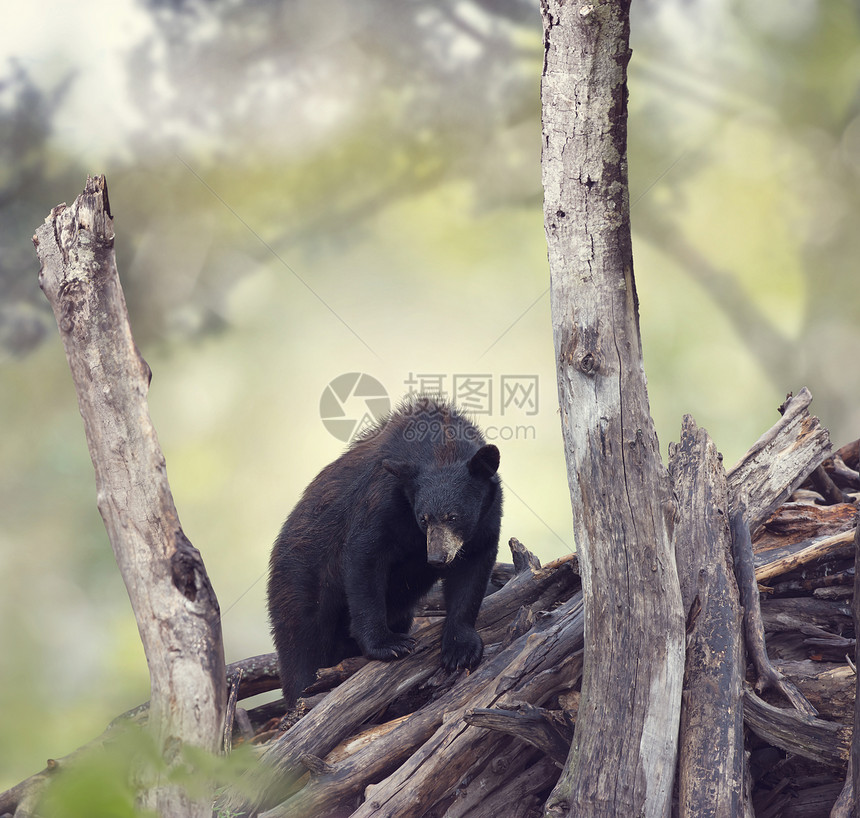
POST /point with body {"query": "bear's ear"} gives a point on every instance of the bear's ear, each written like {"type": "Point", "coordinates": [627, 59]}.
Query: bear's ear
{"type": "Point", "coordinates": [405, 472]}
{"type": "Point", "coordinates": [485, 462]}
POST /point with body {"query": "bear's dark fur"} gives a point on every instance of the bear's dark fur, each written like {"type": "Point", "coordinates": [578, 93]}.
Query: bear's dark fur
{"type": "Point", "coordinates": [414, 499]}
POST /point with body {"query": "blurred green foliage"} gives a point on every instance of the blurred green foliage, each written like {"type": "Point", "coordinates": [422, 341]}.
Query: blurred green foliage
{"type": "Point", "coordinates": [106, 781]}
{"type": "Point", "coordinates": [299, 195]}
{"type": "Point", "coordinates": [99, 784]}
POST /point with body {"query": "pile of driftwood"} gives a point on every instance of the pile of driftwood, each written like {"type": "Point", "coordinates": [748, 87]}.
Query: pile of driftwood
{"type": "Point", "coordinates": [805, 568]}
{"type": "Point", "coordinates": [405, 739]}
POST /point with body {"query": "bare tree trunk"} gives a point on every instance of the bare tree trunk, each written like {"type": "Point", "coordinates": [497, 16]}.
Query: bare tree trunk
{"type": "Point", "coordinates": [622, 760]}
{"type": "Point", "coordinates": [710, 764]}
{"type": "Point", "coordinates": [175, 607]}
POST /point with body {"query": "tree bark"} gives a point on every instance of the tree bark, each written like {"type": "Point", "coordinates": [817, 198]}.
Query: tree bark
{"type": "Point", "coordinates": [622, 760]}
{"type": "Point", "coordinates": [174, 604]}
{"type": "Point", "coordinates": [710, 763]}
{"type": "Point", "coordinates": [780, 460]}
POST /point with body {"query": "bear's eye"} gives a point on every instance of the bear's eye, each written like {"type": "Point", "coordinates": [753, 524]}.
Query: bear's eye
{"type": "Point", "coordinates": [451, 518]}
{"type": "Point", "coordinates": [423, 519]}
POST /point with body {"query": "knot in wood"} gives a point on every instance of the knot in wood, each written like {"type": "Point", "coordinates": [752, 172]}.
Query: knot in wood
{"type": "Point", "coordinates": [186, 567]}
{"type": "Point", "coordinates": [499, 765]}
{"type": "Point", "coordinates": [588, 364]}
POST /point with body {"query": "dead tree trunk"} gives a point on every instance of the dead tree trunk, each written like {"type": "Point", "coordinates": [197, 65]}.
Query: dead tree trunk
{"type": "Point", "coordinates": [710, 765]}
{"type": "Point", "coordinates": [175, 607]}
{"type": "Point", "coordinates": [622, 759]}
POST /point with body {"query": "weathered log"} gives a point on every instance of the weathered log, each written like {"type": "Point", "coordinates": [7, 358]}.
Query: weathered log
{"type": "Point", "coordinates": [328, 678]}
{"type": "Point", "coordinates": [809, 643]}
{"type": "Point", "coordinates": [836, 592]}
{"type": "Point", "coordinates": [787, 800]}
{"type": "Point", "coordinates": [229, 718]}
{"type": "Point", "coordinates": [836, 546]}
{"type": "Point", "coordinates": [256, 674]}
{"type": "Point", "coordinates": [540, 664]}
{"type": "Point", "coordinates": [524, 560]}
{"type": "Point", "coordinates": [768, 675]}
{"type": "Point", "coordinates": [850, 453]}
{"type": "Point", "coordinates": [807, 736]}
{"type": "Point", "coordinates": [842, 474]}
{"type": "Point", "coordinates": [797, 522]}
{"type": "Point", "coordinates": [499, 791]}
{"type": "Point", "coordinates": [174, 604]}
{"type": "Point", "coordinates": [805, 612]}
{"type": "Point", "coordinates": [791, 587]}
{"type": "Point", "coordinates": [825, 486]}
{"type": "Point", "coordinates": [828, 686]}
{"type": "Point", "coordinates": [551, 731]}
{"type": "Point", "coordinates": [844, 806]}
{"type": "Point", "coordinates": [710, 759]}
{"type": "Point", "coordinates": [852, 782]}
{"type": "Point", "coordinates": [780, 460]}
{"type": "Point", "coordinates": [422, 759]}
{"type": "Point", "coordinates": [806, 628]}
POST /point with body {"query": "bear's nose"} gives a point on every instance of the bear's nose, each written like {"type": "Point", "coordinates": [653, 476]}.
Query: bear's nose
{"type": "Point", "coordinates": [442, 544]}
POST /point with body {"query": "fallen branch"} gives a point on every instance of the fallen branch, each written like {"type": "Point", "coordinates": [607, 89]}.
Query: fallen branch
{"type": "Point", "coordinates": [807, 736]}
{"type": "Point", "coordinates": [838, 545]}
{"type": "Point", "coordinates": [551, 731]}
{"type": "Point", "coordinates": [768, 675]}
{"type": "Point", "coordinates": [780, 460]}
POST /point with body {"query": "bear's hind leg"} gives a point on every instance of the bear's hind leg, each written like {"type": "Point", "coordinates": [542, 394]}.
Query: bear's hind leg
{"type": "Point", "coordinates": [301, 652]}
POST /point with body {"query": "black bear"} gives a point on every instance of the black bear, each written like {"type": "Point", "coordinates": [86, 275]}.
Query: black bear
{"type": "Point", "coordinates": [415, 498]}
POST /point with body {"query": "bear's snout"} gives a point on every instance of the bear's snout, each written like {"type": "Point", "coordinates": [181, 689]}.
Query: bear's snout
{"type": "Point", "coordinates": [442, 544]}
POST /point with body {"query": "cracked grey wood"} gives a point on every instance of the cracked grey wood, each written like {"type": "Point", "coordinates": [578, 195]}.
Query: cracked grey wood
{"type": "Point", "coordinates": [622, 759]}
{"type": "Point", "coordinates": [174, 604]}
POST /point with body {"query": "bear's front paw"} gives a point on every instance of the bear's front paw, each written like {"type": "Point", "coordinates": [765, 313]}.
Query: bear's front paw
{"type": "Point", "coordinates": [393, 646]}
{"type": "Point", "coordinates": [461, 648]}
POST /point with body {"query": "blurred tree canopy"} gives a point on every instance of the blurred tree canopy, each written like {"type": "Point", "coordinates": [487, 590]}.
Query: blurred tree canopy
{"type": "Point", "coordinates": [745, 146]}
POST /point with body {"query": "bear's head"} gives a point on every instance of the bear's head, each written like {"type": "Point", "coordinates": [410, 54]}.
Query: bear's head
{"type": "Point", "coordinates": [449, 500]}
